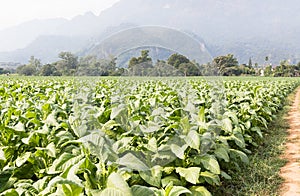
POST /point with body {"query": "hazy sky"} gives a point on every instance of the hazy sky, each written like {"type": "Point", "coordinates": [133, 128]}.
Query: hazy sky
{"type": "Point", "coordinates": [13, 12]}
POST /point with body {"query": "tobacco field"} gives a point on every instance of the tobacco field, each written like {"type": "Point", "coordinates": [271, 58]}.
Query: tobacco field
{"type": "Point", "coordinates": [131, 136]}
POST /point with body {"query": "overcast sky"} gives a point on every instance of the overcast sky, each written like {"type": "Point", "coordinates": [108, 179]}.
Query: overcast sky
{"type": "Point", "coordinates": [13, 12]}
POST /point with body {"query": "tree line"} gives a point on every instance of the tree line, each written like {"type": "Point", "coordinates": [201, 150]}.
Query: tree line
{"type": "Point", "coordinates": [143, 65]}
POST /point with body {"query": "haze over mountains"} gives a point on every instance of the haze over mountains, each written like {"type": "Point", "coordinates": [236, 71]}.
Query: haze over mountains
{"type": "Point", "coordinates": [245, 28]}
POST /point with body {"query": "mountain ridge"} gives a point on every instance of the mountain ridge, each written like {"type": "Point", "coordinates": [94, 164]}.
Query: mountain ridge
{"type": "Point", "coordinates": [248, 29]}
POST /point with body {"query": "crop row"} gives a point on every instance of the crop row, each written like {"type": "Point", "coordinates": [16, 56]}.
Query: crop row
{"type": "Point", "coordinates": [130, 136]}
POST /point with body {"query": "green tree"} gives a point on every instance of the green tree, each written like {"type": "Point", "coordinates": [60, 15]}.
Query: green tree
{"type": "Point", "coordinates": [189, 69]}
{"type": "Point", "coordinates": [26, 70]}
{"type": "Point", "coordinates": [268, 71]}
{"type": "Point", "coordinates": [163, 69]}
{"type": "Point", "coordinates": [35, 62]}
{"type": "Point", "coordinates": [267, 59]}
{"type": "Point", "coordinates": [142, 65]}
{"type": "Point", "coordinates": [250, 63]}
{"type": "Point", "coordinates": [177, 59]}
{"type": "Point", "coordinates": [49, 70]}
{"type": "Point", "coordinates": [208, 69]}
{"type": "Point", "coordinates": [88, 66]}
{"type": "Point", "coordinates": [225, 64]}
{"type": "Point", "coordinates": [31, 68]}
{"type": "Point", "coordinates": [68, 63]}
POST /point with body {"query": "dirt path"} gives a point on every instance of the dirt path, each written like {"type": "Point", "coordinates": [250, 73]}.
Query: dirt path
{"type": "Point", "coordinates": [291, 171]}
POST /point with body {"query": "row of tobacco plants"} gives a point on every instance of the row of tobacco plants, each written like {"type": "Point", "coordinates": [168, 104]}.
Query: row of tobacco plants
{"type": "Point", "coordinates": [166, 137]}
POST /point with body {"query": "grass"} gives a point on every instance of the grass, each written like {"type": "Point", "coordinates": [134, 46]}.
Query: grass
{"type": "Point", "coordinates": [261, 176]}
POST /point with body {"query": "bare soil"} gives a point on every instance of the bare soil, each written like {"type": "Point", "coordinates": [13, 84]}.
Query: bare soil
{"type": "Point", "coordinates": [291, 171]}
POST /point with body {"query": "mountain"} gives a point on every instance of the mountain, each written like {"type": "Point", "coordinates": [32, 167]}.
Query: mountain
{"type": "Point", "coordinates": [22, 35]}
{"type": "Point", "coordinates": [153, 38]}
{"type": "Point", "coordinates": [45, 48]}
{"type": "Point", "coordinates": [248, 29]}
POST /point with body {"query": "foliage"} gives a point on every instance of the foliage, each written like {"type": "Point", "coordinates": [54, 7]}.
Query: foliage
{"type": "Point", "coordinates": [26, 70]}
{"type": "Point", "coordinates": [225, 64]}
{"type": "Point", "coordinates": [189, 69]}
{"type": "Point", "coordinates": [176, 65]}
{"type": "Point", "coordinates": [49, 70]}
{"type": "Point", "coordinates": [68, 63]}
{"type": "Point", "coordinates": [286, 69]}
{"type": "Point", "coordinates": [177, 59]}
{"type": "Point", "coordinates": [130, 137]}
{"type": "Point", "coordinates": [5, 71]}
{"type": "Point", "coordinates": [141, 65]}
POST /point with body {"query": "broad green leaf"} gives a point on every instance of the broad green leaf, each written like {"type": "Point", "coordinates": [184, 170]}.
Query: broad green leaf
{"type": "Point", "coordinates": [60, 180]}
{"type": "Point", "coordinates": [179, 190]}
{"type": "Point", "coordinates": [51, 150]}
{"type": "Point", "coordinates": [93, 192]}
{"type": "Point", "coordinates": [233, 117]}
{"type": "Point", "coordinates": [239, 140]}
{"type": "Point", "coordinates": [19, 127]}
{"type": "Point", "coordinates": [258, 131]}
{"type": "Point", "coordinates": [138, 190]}
{"type": "Point", "coordinates": [115, 111]}
{"type": "Point", "coordinates": [227, 125]}
{"type": "Point", "coordinates": [168, 189]}
{"type": "Point", "coordinates": [211, 178]}
{"type": "Point", "coordinates": [64, 162]}
{"type": "Point", "coordinates": [24, 187]}
{"type": "Point", "coordinates": [201, 115]}
{"type": "Point", "coordinates": [225, 175]}
{"type": "Point", "coordinates": [6, 181]}
{"type": "Point", "coordinates": [51, 120]}
{"type": "Point", "coordinates": [158, 192]}
{"type": "Point", "coordinates": [72, 189]}
{"type": "Point", "coordinates": [158, 112]}
{"type": "Point", "coordinates": [241, 155]}
{"type": "Point", "coordinates": [190, 107]}
{"type": "Point", "coordinates": [115, 181]}
{"type": "Point", "coordinates": [71, 173]}
{"type": "Point", "coordinates": [248, 124]}
{"type": "Point", "coordinates": [46, 108]}
{"type": "Point", "coordinates": [10, 192]}
{"type": "Point", "coordinates": [185, 124]}
{"type": "Point", "coordinates": [152, 176]}
{"type": "Point", "coordinates": [120, 145]}
{"type": "Point", "coordinates": [178, 151]}
{"type": "Point", "coordinates": [150, 128]}
{"type": "Point", "coordinates": [30, 114]}
{"type": "Point", "coordinates": [99, 145]}
{"type": "Point", "coordinates": [132, 162]}
{"type": "Point", "coordinates": [41, 184]}
{"type": "Point", "coordinates": [109, 125]}
{"type": "Point", "coordinates": [191, 174]}
{"type": "Point", "coordinates": [165, 181]}
{"type": "Point", "coordinates": [112, 192]}
{"type": "Point", "coordinates": [152, 145]}
{"type": "Point", "coordinates": [22, 159]}
{"type": "Point", "coordinates": [211, 164]}
{"type": "Point", "coordinates": [199, 191]}
{"type": "Point", "coordinates": [66, 187]}
{"type": "Point", "coordinates": [193, 139]}
{"type": "Point", "coordinates": [2, 155]}
{"type": "Point", "coordinates": [222, 154]}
